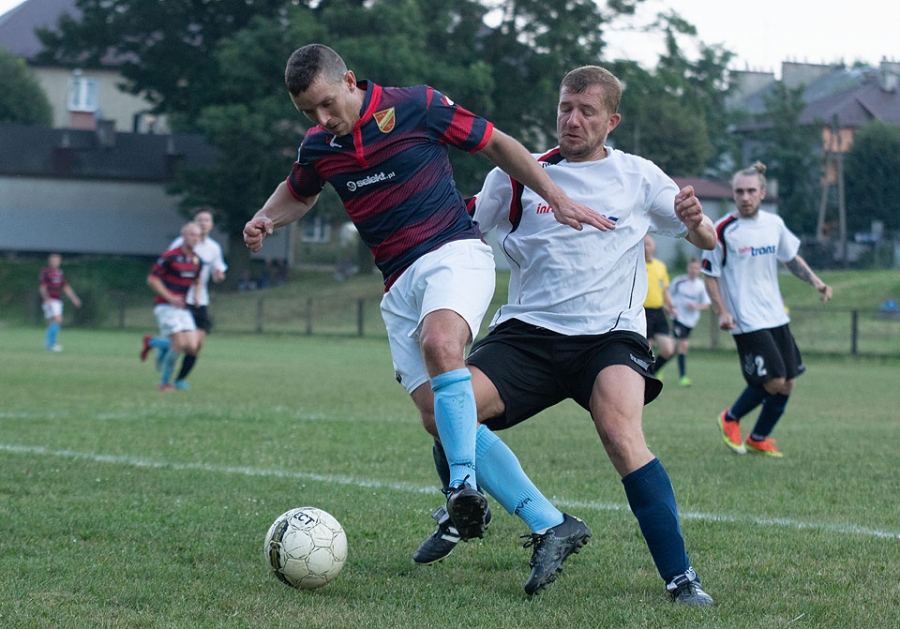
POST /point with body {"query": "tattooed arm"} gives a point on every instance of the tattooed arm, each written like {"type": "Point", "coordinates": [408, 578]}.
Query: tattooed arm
{"type": "Point", "coordinates": [800, 268]}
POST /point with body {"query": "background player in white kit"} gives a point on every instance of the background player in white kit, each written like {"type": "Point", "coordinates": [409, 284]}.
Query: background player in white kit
{"type": "Point", "coordinates": [573, 326]}
{"type": "Point", "coordinates": [214, 268]}
{"type": "Point", "coordinates": [689, 299]}
{"type": "Point", "coordinates": [741, 276]}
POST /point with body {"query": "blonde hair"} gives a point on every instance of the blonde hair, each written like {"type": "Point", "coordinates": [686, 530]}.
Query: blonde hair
{"type": "Point", "coordinates": [757, 170]}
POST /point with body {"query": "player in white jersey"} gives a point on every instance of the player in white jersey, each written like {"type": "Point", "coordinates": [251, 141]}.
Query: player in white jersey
{"type": "Point", "coordinates": [214, 267]}
{"type": "Point", "coordinates": [741, 276]}
{"type": "Point", "coordinates": [689, 299]}
{"type": "Point", "coordinates": [573, 326]}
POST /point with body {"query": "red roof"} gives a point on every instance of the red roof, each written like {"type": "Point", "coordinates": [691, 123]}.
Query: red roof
{"type": "Point", "coordinates": [706, 188]}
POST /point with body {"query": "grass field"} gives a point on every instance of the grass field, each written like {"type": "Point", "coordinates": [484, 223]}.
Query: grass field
{"type": "Point", "coordinates": [124, 507]}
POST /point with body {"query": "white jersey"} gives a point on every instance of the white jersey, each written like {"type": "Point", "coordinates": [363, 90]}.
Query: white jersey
{"type": "Point", "coordinates": [686, 292]}
{"type": "Point", "coordinates": [580, 282]}
{"type": "Point", "coordinates": [210, 253]}
{"type": "Point", "coordinates": [745, 261]}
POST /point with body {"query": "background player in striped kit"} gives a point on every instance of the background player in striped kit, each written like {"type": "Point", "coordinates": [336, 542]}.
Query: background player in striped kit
{"type": "Point", "coordinates": [210, 253]}
{"type": "Point", "coordinates": [52, 284]}
{"type": "Point", "coordinates": [171, 277]}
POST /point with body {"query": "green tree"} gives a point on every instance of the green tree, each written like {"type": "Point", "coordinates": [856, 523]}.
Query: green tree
{"type": "Point", "coordinates": [657, 125]}
{"type": "Point", "coordinates": [21, 98]}
{"type": "Point", "coordinates": [165, 50]}
{"type": "Point", "coordinates": [871, 183]}
{"type": "Point", "coordinates": [790, 152]}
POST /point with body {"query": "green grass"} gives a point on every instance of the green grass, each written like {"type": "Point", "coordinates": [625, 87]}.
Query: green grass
{"type": "Point", "coordinates": [124, 507]}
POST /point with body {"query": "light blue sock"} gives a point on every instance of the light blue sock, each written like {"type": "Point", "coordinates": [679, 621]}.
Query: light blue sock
{"type": "Point", "coordinates": [161, 343]}
{"type": "Point", "coordinates": [169, 366]}
{"type": "Point", "coordinates": [457, 420]}
{"type": "Point", "coordinates": [52, 333]}
{"type": "Point", "coordinates": [501, 475]}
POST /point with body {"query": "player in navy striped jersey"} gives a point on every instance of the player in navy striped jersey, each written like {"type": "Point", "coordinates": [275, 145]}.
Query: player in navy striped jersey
{"type": "Point", "coordinates": [52, 283]}
{"type": "Point", "coordinates": [385, 151]}
{"type": "Point", "coordinates": [741, 276]}
{"type": "Point", "coordinates": [573, 326]}
{"type": "Point", "coordinates": [175, 272]}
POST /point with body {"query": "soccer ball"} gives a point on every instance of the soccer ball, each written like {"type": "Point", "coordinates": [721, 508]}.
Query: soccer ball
{"type": "Point", "coordinates": [305, 548]}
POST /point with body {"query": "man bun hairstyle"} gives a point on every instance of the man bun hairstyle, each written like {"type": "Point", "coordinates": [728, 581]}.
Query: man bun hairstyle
{"type": "Point", "coordinates": [758, 170]}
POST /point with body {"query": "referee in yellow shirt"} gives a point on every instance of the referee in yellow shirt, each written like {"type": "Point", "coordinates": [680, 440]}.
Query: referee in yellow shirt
{"type": "Point", "coordinates": [657, 304]}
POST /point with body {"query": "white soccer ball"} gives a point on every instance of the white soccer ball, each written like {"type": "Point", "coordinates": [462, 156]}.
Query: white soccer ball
{"type": "Point", "coordinates": [306, 548]}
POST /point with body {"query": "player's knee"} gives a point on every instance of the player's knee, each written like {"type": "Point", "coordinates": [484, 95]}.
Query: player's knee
{"type": "Point", "coordinates": [775, 385]}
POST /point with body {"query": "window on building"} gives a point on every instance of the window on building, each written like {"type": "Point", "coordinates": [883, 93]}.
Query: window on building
{"type": "Point", "coordinates": [82, 93]}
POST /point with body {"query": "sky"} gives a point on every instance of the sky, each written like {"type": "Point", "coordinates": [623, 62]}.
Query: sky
{"type": "Point", "coordinates": [765, 33]}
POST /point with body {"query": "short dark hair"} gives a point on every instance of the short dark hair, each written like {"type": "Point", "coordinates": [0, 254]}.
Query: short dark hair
{"type": "Point", "coordinates": [309, 62]}
{"type": "Point", "coordinates": [580, 79]}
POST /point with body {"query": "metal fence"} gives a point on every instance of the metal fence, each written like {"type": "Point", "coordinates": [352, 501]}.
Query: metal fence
{"type": "Point", "coordinates": [827, 330]}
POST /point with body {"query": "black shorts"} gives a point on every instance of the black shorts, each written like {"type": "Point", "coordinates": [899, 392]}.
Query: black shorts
{"type": "Point", "coordinates": [767, 354]}
{"type": "Point", "coordinates": [534, 368]}
{"type": "Point", "coordinates": [656, 322]}
{"type": "Point", "coordinates": [201, 318]}
{"type": "Point", "coordinates": [680, 330]}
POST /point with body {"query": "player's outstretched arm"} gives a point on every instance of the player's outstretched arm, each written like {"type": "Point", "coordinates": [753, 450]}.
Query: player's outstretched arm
{"type": "Point", "coordinates": [800, 268]}
{"type": "Point", "coordinates": [515, 160]}
{"type": "Point", "coordinates": [280, 209]}
{"type": "Point", "coordinates": [701, 231]}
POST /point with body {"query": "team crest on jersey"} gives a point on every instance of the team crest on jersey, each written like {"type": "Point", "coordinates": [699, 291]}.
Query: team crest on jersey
{"type": "Point", "coordinates": [385, 119]}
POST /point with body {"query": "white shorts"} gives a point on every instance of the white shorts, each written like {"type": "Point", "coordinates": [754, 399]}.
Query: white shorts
{"type": "Point", "coordinates": [172, 320]}
{"type": "Point", "coordinates": [52, 308]}
{"type": "Point", "coordinates": [458, 276]}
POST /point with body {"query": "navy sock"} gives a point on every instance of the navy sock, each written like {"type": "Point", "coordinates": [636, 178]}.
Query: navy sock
{"type": "Point", "coordinates": [652, 500]}
{"type": "Point", "coordinates": [440, 464]}
{"type": "Point", "coordinates": [681, 365]}
{"type": "Point", "coordinates": [186, 365]}
{"type": "Point", "coordinates": [749, 399]}
{"type": "Point", "coordinates": [772, 410]}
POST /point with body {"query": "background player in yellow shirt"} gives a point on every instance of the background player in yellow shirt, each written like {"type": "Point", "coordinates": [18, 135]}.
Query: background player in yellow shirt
{"type": "Point", "coordinates": [657, 304]}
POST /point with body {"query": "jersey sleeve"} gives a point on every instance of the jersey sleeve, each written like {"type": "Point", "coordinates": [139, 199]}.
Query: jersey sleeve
{"type": "Point", "coordinates": [661, 204]}
{"type": "Point", "coordinates": [159, 268]}
{"type": "Point", "coordinates": [303, 181]}
{"type": "Point", "coordinates": [218, 261]}
{"type": "Point", "coordinates": [788, 243]}
{"type": "Point", "coordinates": [711, 261]}
{"type": "Point", "coordinates": [453, 125]}
{"type": "Point", "coordinates": [492, 204]}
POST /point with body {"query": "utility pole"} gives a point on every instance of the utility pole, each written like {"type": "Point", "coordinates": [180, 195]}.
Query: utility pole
{"type": "Point", "coordinates": [834, 166]}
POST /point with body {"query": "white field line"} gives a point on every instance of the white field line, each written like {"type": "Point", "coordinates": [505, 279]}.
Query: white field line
{"type": "Point", "coordinates": [844, 529]}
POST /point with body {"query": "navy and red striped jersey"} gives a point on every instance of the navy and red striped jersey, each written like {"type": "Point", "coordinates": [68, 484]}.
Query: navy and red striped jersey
{"type": "Point", "coordinates": [393, 172]}
{"type": "Point", "coordinates": [53, 281]}
{"type": "Point", "coordinates": [177, 270]}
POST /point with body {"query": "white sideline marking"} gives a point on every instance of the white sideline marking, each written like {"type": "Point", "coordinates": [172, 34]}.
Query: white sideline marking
{"type": "Point", "coordinates": [845, 529]}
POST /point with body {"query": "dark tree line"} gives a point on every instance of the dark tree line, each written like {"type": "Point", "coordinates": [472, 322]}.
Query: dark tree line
{"type": "Point", "coordinates": [216, 67]}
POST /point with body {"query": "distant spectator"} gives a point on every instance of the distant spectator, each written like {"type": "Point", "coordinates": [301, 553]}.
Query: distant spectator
{"type": "Point", "coordinates": [246, 281]}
